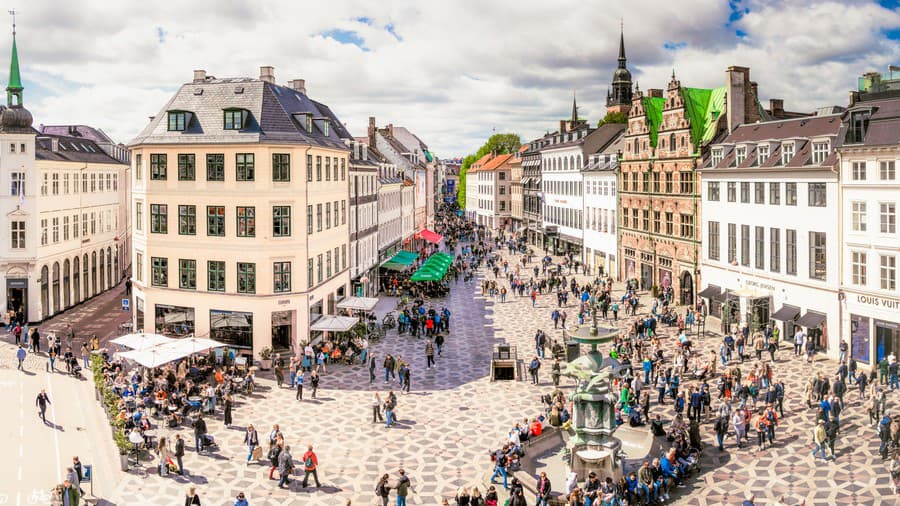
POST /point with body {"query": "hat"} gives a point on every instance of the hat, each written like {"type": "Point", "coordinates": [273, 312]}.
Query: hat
{"type": "Point", "coordinates": [821, 422]}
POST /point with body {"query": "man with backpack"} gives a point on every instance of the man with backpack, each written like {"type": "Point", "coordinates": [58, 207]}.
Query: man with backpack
{"type": "Point", "coordinates": [310, 464]}
{"type": "Point", "coordinates": [533, 369]}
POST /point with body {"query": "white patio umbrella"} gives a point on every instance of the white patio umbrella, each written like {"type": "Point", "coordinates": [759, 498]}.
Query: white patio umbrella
{"type": "Point", "coordinates": [141, 340]}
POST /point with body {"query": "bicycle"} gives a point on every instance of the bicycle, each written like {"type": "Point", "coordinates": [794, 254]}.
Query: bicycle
{"type": "Point", "coordinates": [389, 321]}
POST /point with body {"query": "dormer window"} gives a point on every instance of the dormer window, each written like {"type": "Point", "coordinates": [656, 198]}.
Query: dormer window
{"type": "Point", "coordinates": [740, 154]}
{"type": "Point", "coordinates": [762, 154]}
{"type": "Point", "coordinates": [859, 123]}
{"type": "Point", "coordinates": [235, 119]}
{"type": "Point", "coordinates": [820, 152]}
{"type": "Point", "coordinates": [178, 121]}
{"type": "Point", "coordinates": [717, 155]}
{"type": "Point", "coordinates": [322, 125]}
{"type": "Point", "coordinates": [787, 152]}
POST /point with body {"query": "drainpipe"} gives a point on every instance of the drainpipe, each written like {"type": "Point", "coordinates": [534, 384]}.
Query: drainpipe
{"type": "Point", "coordinates": [308, 282]}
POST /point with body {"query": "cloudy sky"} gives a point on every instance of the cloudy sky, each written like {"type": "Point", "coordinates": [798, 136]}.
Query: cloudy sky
{"type": "Point", "coordinates": [453, 71]}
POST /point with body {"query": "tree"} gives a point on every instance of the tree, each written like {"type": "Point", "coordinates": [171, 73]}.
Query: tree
{"type": "Point", "coordinates": [613, 117]}
{"type": "Point", "coordinates": [501, 143]}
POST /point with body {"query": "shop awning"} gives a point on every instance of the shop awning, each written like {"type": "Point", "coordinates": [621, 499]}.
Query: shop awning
{"type": "Point", "coordinates": [787, 313]}
{"type": "Point", "coordinates": [400, 261]}
{"type": "Point", "coordinates": [811, 319]}
{"type": "Point", "coordinates": [332, 323]}
{"type": "Point", "coordinates": [434, 268]}
{"type": "Point", "coordinates": [430, 236]}
{"type": "Point", "coordinates": [710, 292]}
{"type": "Point", "coordinates": [358, 303]}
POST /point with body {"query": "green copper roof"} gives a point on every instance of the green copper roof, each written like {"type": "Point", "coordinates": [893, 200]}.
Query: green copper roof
{"type": "Point", "coordinates": [653, 107]}
{"type": "Point", "coordinates": [15, 80]}
{"type": "Point", "coordinates": [703, 107]}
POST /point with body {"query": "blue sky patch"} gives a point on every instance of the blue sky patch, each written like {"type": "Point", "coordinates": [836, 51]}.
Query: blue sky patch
{"type": "Point", "coordinates": [740, 34]}
{"type": "Point", "coordinates": [365, 20]}
{"type": "Point", "coordinates": [675, 46]}
{"type": "Point", "coordinates": [161, 34]}
{"type": "Point", "coordinates": [390, 29]}
{"type": "Point", "coordinates": [346, 37]}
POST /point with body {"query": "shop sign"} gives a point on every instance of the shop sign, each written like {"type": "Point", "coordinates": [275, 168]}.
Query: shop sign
{"type": "Point", "coordinates": [884, 302]}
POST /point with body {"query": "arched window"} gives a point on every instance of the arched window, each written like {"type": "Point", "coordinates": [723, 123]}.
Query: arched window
{"type": "Point", "coordinates": [565, 164]}
{"type": "Point", "coordinates": [85, 267]}
{"type": "Point", "coordinates": [102, 272]}
{"type": "Point", "coordinates": [94, 273]}
{"type": "Point", "coordinates": [67, 285]}
{"type": "Point", "coordinates": [45, 292]}
{"type": "Point", "coordinates": [76, 280]}
{"type": "Point", "coordinates": [672, 142]}
{"type": "Point", "coordinates": [111, 280]}
{"type": "Point", "coordinates": [55, 287]}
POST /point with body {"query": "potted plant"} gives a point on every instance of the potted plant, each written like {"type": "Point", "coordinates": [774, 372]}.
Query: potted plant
{"type": "Point", "coordinates": [124, 446]}
{"type": "Point", "coordinates": [654, 291]}
{"type": "Point", "coordinates": [265, 358]}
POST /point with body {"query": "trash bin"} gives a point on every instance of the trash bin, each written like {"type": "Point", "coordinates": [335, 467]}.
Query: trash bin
{"type": "Point", "coordinates": [573, 350]}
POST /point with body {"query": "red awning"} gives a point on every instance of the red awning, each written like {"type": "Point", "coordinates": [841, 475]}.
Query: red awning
{"type": "Point", "coordinates": [430, 236]}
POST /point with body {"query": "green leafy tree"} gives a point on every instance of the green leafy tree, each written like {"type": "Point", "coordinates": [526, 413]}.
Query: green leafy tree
{"type": "Point", "coordinates": [613, 117]}
{"type": "Point", "coordinates": [501, 143]}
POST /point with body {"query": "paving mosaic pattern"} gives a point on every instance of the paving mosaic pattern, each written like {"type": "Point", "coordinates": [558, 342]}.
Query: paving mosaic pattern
{"type": "Point", "coordinates": [454, 415]}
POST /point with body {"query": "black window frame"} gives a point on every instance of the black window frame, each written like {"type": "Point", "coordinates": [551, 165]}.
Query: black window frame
{"type": "Point", "coordinates": [215, 275]}
{"type": "Point", "coordinates": [713, 238]}
{"type": "Point", "coordinates": [187, 219]}
{"type": "Point", "coordinates": [176, 116]}
{"type": "Point", "coordinates": [281, 274]}
{"type": "Point", "coordinates": [818, 270]}
{"type": "Point", "coordinates": [215, 166]}
{"type": "Point", "coordinates": [817, 194]}
{"type": "Point", "coordinates": [187, 167]}
{"type": "Point", "coordinates": [159, 271]}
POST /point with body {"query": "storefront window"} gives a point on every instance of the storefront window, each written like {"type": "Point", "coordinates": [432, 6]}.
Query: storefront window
{"type": "Point", "coordinates": [139, 314]}
{"type": "Point", "coordinates": [859, 338]}
{"type": "Point", "coordinates": [887, 338]}
{"type": "Point", "coordinates": [231, 327]}
{"type": "Point", "coordinates": [174, 320]}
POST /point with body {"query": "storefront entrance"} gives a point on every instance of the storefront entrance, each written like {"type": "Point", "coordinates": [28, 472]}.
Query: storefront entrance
{"type": "Point", "coordinates": [17, 295]}
{"type": "Point", "coordinates": [687, 289]}
{"type": "Point", "coordinates": [282, 329]}
{"type": "Point", "coordinates": [758, 313]}
{"type": "Point", "coordinates": [646, 276]}
{"type": "Point", "coordinates": [887, 338]}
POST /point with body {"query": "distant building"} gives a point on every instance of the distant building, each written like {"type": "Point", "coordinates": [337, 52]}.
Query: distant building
{"type": "Point", "coordinates": [532, 195]}
{"type": "Point", "coordinates": [363, 218]}
{"type": "Point", "coordinates": [65, 211]}
{"type": "Point", "coordinates": [599, 173]}
{"type": "Point", "coordinates": [618, 98]}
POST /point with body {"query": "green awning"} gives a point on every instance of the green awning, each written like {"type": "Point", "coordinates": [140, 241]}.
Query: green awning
{"type": "Point", "coordinates": [400, 261]}
{"type": "Point", "coordinates": [394, 266]}
{"type": "Point", "coordinates": [434, 268]}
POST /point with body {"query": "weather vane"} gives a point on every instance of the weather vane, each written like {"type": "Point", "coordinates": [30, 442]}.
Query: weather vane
{"type": "Point", "coordinates": [13, 14]}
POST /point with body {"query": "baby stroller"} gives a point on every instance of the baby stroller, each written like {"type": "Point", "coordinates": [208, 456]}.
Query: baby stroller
{"type": "Point", "coordinates": [208, 442]}
{"type": "Point", "coordinates": [74, 368]}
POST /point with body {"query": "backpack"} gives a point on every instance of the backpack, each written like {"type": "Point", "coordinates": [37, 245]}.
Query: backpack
{"type": "Point", "coordinates": [308, 462]}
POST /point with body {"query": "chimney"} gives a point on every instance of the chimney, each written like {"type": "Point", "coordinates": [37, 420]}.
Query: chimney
{"type": "Point", "coordinates": [298, 85]}
{"type": "Point", "coordinates": [390, 129]}
{"type": "Point", "coordinates": [54, 144]}
{"type": "Point", "coordinates": [655, 92]}
{"type": "Point", "coordinates": [776, 107]}
{"type": "Point", "coordinates": [267, 74]}
{"type": "Point", "coordinates": [737, 101]}
{"type": "Point", "coordinates": [199, 76]}
{"type": "Point", "coordinates": [854, 98]}
{"type": "Point", "coordinates": [371, 131]}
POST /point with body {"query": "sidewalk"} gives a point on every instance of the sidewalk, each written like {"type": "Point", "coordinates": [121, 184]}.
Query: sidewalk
{"type": "Point", "coordinates": [101, 315]}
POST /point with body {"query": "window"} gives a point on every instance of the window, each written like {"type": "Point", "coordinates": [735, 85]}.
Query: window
{"type": "Point", "coordinates": [160, 271]}
{"type": "Point", "coordinates": [787, 153]}
{"type": "Point", "coordinates": [343, 256]}
{"type": "Point", "coordinates": [657, 219]}
{"type": "Point", "coordinates": [65, 228]}
{"type": "Point", "coordinates": [343, 169]}
{"type": "Point", "coordinates": [745, 245]}
{"type": "Point", "coordinates": [745, 193]}
{"type": "Point", "coordinates": [281, 221]}
{"type": "Point", "coordinates": [187, 274]}
{"type": "Point", "coordinates": [309, 168]}
{"type": "Point", "coordinates": [732, 243]}
{"type": "Point", "coordinates": [816, 194]}
{"type": "Point", "coordinates": [886, 170]}
{"type": "Point", "coordinates": [858, 211]}
{"type": "Point", "coordinates": [790, 240]}
{"type": "Point", "coordinates": [858, 264]}
{"type": "Point", "coordinates": [760, 247]}
{"type": "Point", "coordinates": [319, 268]}
{"type": "Point", "coordinates": [790, 194]}
{"type": "Point", "coordinates": [888, 272]}
{"type": "Point", "coordinates": [327, 264]}
{"type": "Point", "coordinates": [343, 212]}
{"type": "Point", "coordinates": [187, 220]}
{"type": "Point", "coordinates": [819, 152]}
{"type": "Point", "coordinates": [244, 166]}
{"type": "Point", "coordinates": [215, 276]}
{"type": "Point", "coordinates": [328, 169]}
{"type": "Point", "coordinates": [177, 121]}
{"type": "Point", "coordinates": [17, 234]}
{"type": "Point", "coordinates": [817, 259]}
{"type": "Point", "coordinates": [775, 249]}
{"type": "Point", "coordinates": [186, 164]}
{"type": "Point", "coordinates": [93, 183]}
{"type": "Point", "coordinates": [645, 222]}
{"type": "Point", "coordinates": [309, 219]}
{"type": "Point", "coordinates": [215, 167]}
{"type": "Point", "coordinates": [645, 177]}
{"type": "Point", "coordinates": [318, 217]}
{"type": "Point", "coordinates": [318, 168]}
{"type": "Point", "coordinates": [859, 123]}
{"type": "Point", "coordinates": [234, 119]}
{"type": "Point", "coordinates": [281, 167]}
{"type": "Point", "coordinates": [309, 273]}
{"type": "Point", "coordinates": [670, 223]}
{"type": "Point", "coordinates": [717, 155]}
{"type": "Point", "coordinates": [16, 183]}
{"type": "Point", "coordinates": [282, 275]}
{"type": "Point", "coordinates": [246, 222]}
{"type": "Point", "coordinates": [687, 226]}
{"type": "Point", "coordinates": [775, 194]}
{"type": "Point", "coordinates": [888, 217]}
{"type": "Point", "coordinates": [157, 169]}
{"type": "Point", "coordinates": [84, 224]}
{"type": "Point", "coordinates": [55, 184]}
{"type": "Point", "coordinates": [669, 182]}
{"type": "Point", "coordinates": [713, 240]}
{"type": "Point", "coordinates": [159, 219]}
{"type": "Point", "coordinates": [139, 269]}
{"type": "Point", "coordinates": [75, 224]}
{"type": "Point", "coordinates": [762, 154]}
{"type": "Point", "coordinates": [94, 224]}
{"type": "Point", "coordinates": [328, 214]}
{"type": "Point", "coordinates": [215, 221]}
{"type": "Point", "coordinates": [686, 178]}
{"type": "Point", "coordinates": [740, 154]}
{"type": "Point", "coordinates": [858, 171]}
{"type": "Point", "coordinates": [43, 232]}
{"type": "Point", "coordinates": [759, 193]}
{"type": "Point", "coordinates": [84, 184]}
{"type": "Point", "coordinates": [246, 281]}
{"type": "Point", "coordinates": [732, 191]}
{"type": "Point", "coordinates": [712, 191]}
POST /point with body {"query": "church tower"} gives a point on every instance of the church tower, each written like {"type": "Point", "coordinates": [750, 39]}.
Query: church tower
{"type": "Point", "coordinates": [618, 99]}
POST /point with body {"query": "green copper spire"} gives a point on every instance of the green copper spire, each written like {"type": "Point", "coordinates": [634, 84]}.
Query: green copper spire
{"type": "Point", "coordinates": [14, 89]}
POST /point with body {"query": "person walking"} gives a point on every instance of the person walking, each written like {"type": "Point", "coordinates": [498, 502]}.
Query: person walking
{"type": "Point", "coordinates": [20, 355]}
{"type": "Point", "coordinates": [162, 450]}
{"type": "Point", "coordinates": [429, 353]}
{"type": "Point", "coordinates": [251, 439]}
{"type": "Point", "coordinates": [376, 408]}
{"type": "Point", "coordinates": [241, 500]}
{"type": "Point", "coordinates": [542, 490]}
{"type": "Point", "coordinates": [298, 382]}
{"type": "Point", "coordinates": [819, 440]}
{"type": "Point", "coordinates": [192, 499]}
{"type": "Point", "coordinates": [41, 403]}
{"type": "Point", "coordinates": [533, 369]}
{"type": "Point", "coordinates": [285, 467]}
{"type": "Point", "coordinates": [314, 382]}
{"type": "Point", "coordinates": [310, 464]}
{"type": "Point", "coordinates": [371, 368]}
{"type": "Point", "coordinates": [199, 426]}
{"type": "Point", "coordinates": [383, 490]}
{"type": "Point", "coordinates": [179, 453]}
{"type": "Point", "coordinates": [229, 401]}
{"type": "Point", "coordinates": [70, 495]}
{"type": "Point", "coordinates": [85, 356]}
{"type": "Point", "coordinates": [403, 486]}
{"type": "Point", "coordinates": [406, 378]}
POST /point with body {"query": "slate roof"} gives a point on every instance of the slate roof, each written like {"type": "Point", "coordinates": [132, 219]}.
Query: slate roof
{"type": "Point", "coordinates": [82, 131]}
{"type": "Point", "coordinates": [884, 123]}
{"type": "Point", "coordinates": [71, 149]}
{"type": "Point", "coordinates": [270, 120]}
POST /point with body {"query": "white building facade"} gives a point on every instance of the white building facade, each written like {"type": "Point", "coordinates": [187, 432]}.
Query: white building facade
{"type": "Point", "coordinates": [600, 243]}
{"type": "Point", "coordinates": [363, 218]}
{"type": "Point", "coordinates": [563, 205]}
{"type": "Point", "coordinates": [770, 229]}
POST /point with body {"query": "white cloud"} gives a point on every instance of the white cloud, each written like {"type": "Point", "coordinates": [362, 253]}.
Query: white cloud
{"type": "Point", "coordinates": [459, 70]}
